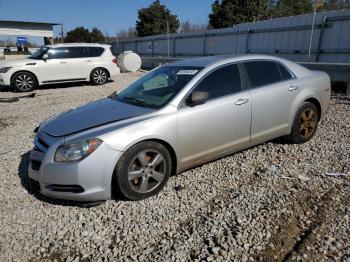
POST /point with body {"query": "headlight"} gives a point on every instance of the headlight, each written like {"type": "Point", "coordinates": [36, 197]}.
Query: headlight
{"type": "Point", "coordinates": [4, 69]}
{"type": "Point", "coordinates": [77, 151]}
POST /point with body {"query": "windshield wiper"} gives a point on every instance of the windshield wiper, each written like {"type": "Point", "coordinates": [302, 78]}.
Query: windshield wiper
{"type": "Point", "coordinates": [135, 100]}
{"type": "Point", "coordinates": [138, 101]}
{"type": "Point", "coordinates": [113, 95]}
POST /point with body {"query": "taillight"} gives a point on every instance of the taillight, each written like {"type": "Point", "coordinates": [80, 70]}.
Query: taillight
{"type": "Point", "coordinates": [115, 61]}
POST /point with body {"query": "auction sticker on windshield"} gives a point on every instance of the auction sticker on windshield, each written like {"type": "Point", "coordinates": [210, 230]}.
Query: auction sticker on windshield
{"type": "Point", "coordinates": [187, 72]}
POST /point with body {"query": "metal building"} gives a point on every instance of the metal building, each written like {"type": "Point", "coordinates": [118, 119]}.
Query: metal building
{"type": "Point", "coordinates": [21, 28]}
{"type": "Point", "coordinates": [296, 38]}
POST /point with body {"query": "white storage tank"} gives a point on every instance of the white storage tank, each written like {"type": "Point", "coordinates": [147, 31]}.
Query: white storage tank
{"type": "Point", "coordinates": [128, 61]}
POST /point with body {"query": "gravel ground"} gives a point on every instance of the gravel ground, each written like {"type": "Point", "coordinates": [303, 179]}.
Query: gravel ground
{"type": "Point", "coordinates": [270, 202]}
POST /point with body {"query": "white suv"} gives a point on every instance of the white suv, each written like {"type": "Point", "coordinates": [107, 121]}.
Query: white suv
{"type": "Point", "coordinates": [60, 63]}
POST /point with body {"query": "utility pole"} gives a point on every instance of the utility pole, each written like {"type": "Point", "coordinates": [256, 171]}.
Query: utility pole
{"type": "Point", "coordinates": [179, 18]}
{"type": "Point", "coordinates": [62, 33]}
{"type": "Point", "coordinates": [312, 31]}
{"type": "Point", "coordinates": [316, 4]}
{"type": "Point", "coordinates": [167, 30]}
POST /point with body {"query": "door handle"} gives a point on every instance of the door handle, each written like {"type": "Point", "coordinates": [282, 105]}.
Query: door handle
{"type": "Point", "coordinates": [87, 60]}
{"type": "Point", "coordinates": [241, 101]}
{"type": "Point", "coordinates": [63, 62]}
{"type": "Point", "coordinates": [293, 88]}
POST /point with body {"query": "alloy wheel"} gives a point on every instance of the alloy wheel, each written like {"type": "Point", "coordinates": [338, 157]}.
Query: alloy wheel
{"type": "Point", "coordinates": [99, 76]}
{"type": "Point", "coordinates": [24, 82]}
{"type": "Point", "coordinates": [307, 123]}
{"type": "Point", "coordinates": [147, 171]}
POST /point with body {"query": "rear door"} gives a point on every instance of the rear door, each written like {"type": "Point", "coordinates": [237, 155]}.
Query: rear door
{"type": "Point", "coordinates": [221, 123]}
{"type": "Point", "coordinates": [83, 60]}
{"type": "Point", "coordinates": [79, 68]}
{"type": "Point", "coordinates": [273, 91]}
{"type": "Point", "coordinates": [55, 68]}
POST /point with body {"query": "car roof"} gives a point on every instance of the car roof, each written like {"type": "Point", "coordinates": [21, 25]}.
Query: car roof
{"type": "Point", "coordinates": [78, 44]}
{"type": "Point", "coordinates": [218, 59]}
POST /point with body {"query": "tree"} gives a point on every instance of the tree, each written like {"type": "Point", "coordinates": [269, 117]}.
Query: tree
{"type": "Point", "coordinates": [153, 20]}
{"type": "Point", "coordinates": [190, 27]}
{"type": "Point", "coordinates": [129, 33]}
{"type": "Point", "coordinates": [79, 34]}
{"type": "Point", "coordinates": [336, 4]}
{"type": "Point", "coordinates": [83, 35]}
{"type": "Point", "coordinates": [96, 36]}
{"type": "Point", "coordinates": [226, 13]}
{"type": "Point", "coordinates": [292, 7]}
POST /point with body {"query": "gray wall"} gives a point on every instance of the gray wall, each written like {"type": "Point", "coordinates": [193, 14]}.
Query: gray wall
{"type": "Point", "coordinates": [287, 37]}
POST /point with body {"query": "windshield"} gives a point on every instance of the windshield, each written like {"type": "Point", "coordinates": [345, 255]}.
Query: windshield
{"type": "Point", "coordinates": [38, 54]}
{"type": "Point", "coordinates": [158, 87]}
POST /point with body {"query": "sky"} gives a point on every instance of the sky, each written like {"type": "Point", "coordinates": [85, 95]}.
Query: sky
{"type": "Point", "coordinates": [110, 16]}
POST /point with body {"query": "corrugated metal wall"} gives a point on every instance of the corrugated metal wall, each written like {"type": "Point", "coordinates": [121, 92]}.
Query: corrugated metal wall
{"type": "Point", "coordinates": [287, 37]}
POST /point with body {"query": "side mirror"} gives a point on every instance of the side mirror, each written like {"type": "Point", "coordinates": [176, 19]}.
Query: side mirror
{"type": "Point", "coordinates": [197, 98]}
{"type": "Point", "coordinates": [45, 57]}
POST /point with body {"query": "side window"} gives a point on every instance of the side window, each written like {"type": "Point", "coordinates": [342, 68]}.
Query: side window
{"type": "Point", "coordinates": [95, 51]}
{"type": "Point", "coordinates": [77, 52]}
{"type": "Point", "coordinates": [222, 82]}
{"type": "Point", "coordinates": [262, 72]}
{"type": "Point", "coordinates": [284, 72]}
{"type": "Point", "coordinates": [57, 53]}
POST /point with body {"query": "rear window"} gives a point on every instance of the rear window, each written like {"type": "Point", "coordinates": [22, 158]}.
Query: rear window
{"type": "Point", "coordinates": [77, 52]}
{"type": "Point", "coordinates": [263, 72]}
{"type": "Point", "coordinates": [286, 74]}
{"type": "Point", "coordinates": [95, 51]}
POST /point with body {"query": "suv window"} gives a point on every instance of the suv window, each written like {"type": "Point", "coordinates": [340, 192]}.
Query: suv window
{"type": "Point", "coordinates": [77, 52]}
{"type": "Point", "coordinates": [57, 53]}
{"type": "Point", "coordinates": [222, 82]}
{"type": "Point", "coordinates": [95, 51]}
{"type": "Point", "coordinates": [286, 74]}
{"type": "Point", "coordinates": [263, 72]}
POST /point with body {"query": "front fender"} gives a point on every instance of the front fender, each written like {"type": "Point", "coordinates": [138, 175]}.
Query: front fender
{"type": "Point", "coordinates": [160, 128]}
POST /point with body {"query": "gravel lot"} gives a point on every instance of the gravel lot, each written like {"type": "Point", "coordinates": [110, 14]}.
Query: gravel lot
{"type": "Point", "coordinates": [271, 202]}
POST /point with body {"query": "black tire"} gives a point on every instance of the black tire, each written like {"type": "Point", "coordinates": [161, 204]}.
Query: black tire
{"type": "Point", "coordinates": [23, 82]}
{"type": "Point", "coordinates": [99, 76]}
{"type": "Point", "coordinates": [305, 124]}
{"type": "Point", "coordinates": [127, 179]}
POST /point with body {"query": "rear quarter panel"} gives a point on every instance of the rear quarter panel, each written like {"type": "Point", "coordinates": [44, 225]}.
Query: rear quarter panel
{"type": "Point", "coordinates": [314, 85]}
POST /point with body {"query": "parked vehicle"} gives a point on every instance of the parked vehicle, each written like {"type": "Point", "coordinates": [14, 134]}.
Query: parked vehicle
{"type": "Point", "coordinates": [175, 117]}
{"type": "Point", "coordinates": [60, 63]}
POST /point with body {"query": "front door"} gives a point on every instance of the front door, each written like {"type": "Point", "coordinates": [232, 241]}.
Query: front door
{"type": "Point", "coordinates": [55, 67]}
{"type": "Point", "coordinates": [219, 124]}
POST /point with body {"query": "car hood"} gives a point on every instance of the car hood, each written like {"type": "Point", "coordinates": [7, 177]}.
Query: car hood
{"type": "Point", "coordinates": [91, 115]}
{"type": "Point", "coordinates": [17, 62]}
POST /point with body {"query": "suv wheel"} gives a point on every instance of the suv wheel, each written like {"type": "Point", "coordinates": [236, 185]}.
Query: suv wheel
{"type": "Point", "coordinates": [99, 76]}
{"type": "Point", "coordinates": [142, 171]}
{"type": "Point", "coordinates": [24, 82]}
{"type": "Point", "coordinates": [305, 124]}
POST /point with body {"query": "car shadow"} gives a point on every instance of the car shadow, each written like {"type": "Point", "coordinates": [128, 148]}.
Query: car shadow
{"type": "Point", "coordinates": [33, 187]}
{"type": "Point", "coordinates": [53, 86]}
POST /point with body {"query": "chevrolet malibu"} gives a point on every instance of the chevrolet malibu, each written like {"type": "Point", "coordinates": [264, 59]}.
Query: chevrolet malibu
{"type": "Point", "coordinates": [175, 117]}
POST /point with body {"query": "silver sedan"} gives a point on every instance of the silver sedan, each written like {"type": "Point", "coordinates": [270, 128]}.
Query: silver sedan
{"type": "Point", "coordinates": [175, 117]}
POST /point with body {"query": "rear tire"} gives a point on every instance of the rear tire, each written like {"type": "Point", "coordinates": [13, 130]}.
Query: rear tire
{"type": "Point", "coordinates": [99, 76]}
{"type": "Point", "coordinates": [142, 171]}
{"type": "Point", "coordinates": [23, 82]}
{"type": "Point", "coordinates": [305, 124]}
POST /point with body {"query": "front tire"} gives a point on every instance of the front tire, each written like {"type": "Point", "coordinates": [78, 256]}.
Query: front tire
{"type": "Point", "coordinates": [142, 171]}
{"type": "Point", "coordinates": [23, 82]}
{"type": "Point", "coordinates": [99, 76]}
{"type": "Point", "coordinates": [305, 124]}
